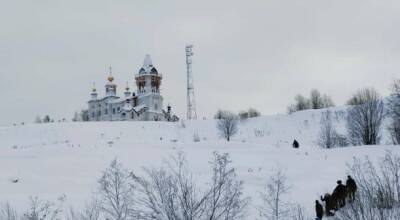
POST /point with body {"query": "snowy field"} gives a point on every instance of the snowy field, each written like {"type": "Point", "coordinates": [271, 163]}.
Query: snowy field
{"type": "Point", "coordinates": [52, 160]}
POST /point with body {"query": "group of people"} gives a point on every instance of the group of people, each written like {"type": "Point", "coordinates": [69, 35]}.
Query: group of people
{"type": "Point", "coordinates": [337, 199]}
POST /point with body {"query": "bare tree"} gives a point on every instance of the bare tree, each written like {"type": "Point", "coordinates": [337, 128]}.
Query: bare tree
{"type": "Point", "coordinates": [168, 193]}
{"type": "Point", "coordinates": [274, 205]}
{"type": "Point", "coordinates": [172, 194]}
{"type": "Point", "coordinates": [301, 103]}
{"type": "Point", "coordinates": [327, 101]}
{"type": "Point", "coordinates": [316, 99]}
{"type": "Point", "coordinates": [225, 195]}
{"type": "Point", "coordinates": [116, 192]}
{"type": "Point", "coordinates": [394, 112]}
{"type": "Point", "coordinates": [364, 117]}
{"type": "Point", "coordinates": [328, 137]}
{"type": "Point", "coordinates": [228, 125]}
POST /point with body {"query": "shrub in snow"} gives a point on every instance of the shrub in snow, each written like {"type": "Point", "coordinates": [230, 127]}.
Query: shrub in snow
{"type": "Point", "coordinates": [364, 117]}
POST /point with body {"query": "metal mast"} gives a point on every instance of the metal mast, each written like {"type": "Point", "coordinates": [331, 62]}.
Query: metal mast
{"type": "Point", "coordinates": [191, 103]}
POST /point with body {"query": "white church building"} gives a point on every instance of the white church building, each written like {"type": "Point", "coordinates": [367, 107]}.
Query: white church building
{"type": "Point", "coordinates": [144, 105]}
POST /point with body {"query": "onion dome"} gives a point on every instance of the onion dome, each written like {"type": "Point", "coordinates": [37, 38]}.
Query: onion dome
{"type": "Point", "coordinates": [94, 88]}
{"type": "Point", "coordinates": [110, 78]}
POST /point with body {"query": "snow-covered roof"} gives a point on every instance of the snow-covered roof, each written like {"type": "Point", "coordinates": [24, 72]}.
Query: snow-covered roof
{"type": "Point", "coordinates": [128, 108]}
{"type": "Point", "coordinates": [119, 100]}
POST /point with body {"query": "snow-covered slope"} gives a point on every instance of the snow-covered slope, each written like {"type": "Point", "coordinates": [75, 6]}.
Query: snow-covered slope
{"type": "Point", "coordinates": [57, 159]}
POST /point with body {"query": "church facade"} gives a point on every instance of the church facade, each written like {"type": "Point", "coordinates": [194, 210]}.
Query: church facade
{"type": "Point", "coordinates": [144, 105]}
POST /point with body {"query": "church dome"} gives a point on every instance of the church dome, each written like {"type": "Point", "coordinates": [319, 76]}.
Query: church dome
{"type": "Point", "coordinates": [110, 78]}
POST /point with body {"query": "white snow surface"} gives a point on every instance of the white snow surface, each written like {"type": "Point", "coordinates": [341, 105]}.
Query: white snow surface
{"type": "Point", "coordinates": [51, 160]}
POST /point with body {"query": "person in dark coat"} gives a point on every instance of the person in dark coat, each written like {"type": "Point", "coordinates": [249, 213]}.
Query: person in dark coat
{"type": "Point", "coordinates": [329, 205]}
{"type": "Point", "coordinates": [340, 194]}
{"type": "Point", "coordinates": [296, 144]}
{"type": "Point", "coordinates": [319, 210]}
{"type": "Point", "coordinates": [351, 187]}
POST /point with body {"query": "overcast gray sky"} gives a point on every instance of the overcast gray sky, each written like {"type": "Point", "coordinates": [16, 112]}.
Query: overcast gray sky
{"type": "Point", "coordinates": [247, 53]}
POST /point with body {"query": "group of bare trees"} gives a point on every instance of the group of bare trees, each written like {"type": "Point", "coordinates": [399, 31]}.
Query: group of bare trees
{"type": "Point", "coordinates": [250, 113]}
{"type": "Point", "coordinates": [378, 190]}
{"type": "Point", "coordinates": [365, 114]}
{"type": "Point", "coordinates": [166, 193]}
{"type": "Point", "coordinates": [38, 210]}
{"type": "Point", "coordinates": [171, 192]}
{"type": "Point", "coordinates": [316, 101]}
{"type": "Point", "coordinates": [83, 115]}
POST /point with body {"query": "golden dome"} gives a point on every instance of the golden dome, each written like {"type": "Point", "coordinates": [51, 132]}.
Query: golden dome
{"type": "Point", "coordinates": [110, 78]}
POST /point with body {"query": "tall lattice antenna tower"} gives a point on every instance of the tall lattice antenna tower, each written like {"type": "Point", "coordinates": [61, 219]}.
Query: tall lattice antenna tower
{"type": "Point", "coordinates": [191, 103]}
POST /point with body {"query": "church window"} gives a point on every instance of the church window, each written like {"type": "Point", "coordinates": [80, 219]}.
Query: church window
{"type": "Point", "coordinates": [114, 111]}
{"type": "Point", "coordinates": [156, 106]}
{"type": "Point", "coordinates": [106, 111]}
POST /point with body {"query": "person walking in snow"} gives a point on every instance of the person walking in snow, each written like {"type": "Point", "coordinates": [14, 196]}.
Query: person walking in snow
{"type": "Point", "coordinates": [351, 187]}
{"type": "Point", "coordinates": [340, 194]}
{"type": "Point", "coordinates": [319, 210]}
{"type": "Point", "coordinates": [296, 144]}
{"type": "Point", "coordinates": [329, 206]}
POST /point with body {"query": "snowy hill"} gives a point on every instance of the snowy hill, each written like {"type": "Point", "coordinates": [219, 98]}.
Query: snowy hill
{"type": "Point", "coordinates": [50, 160]}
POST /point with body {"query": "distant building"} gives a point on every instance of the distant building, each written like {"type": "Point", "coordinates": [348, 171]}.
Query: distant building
{"type": "Point", "coordinates": [145, 105]}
